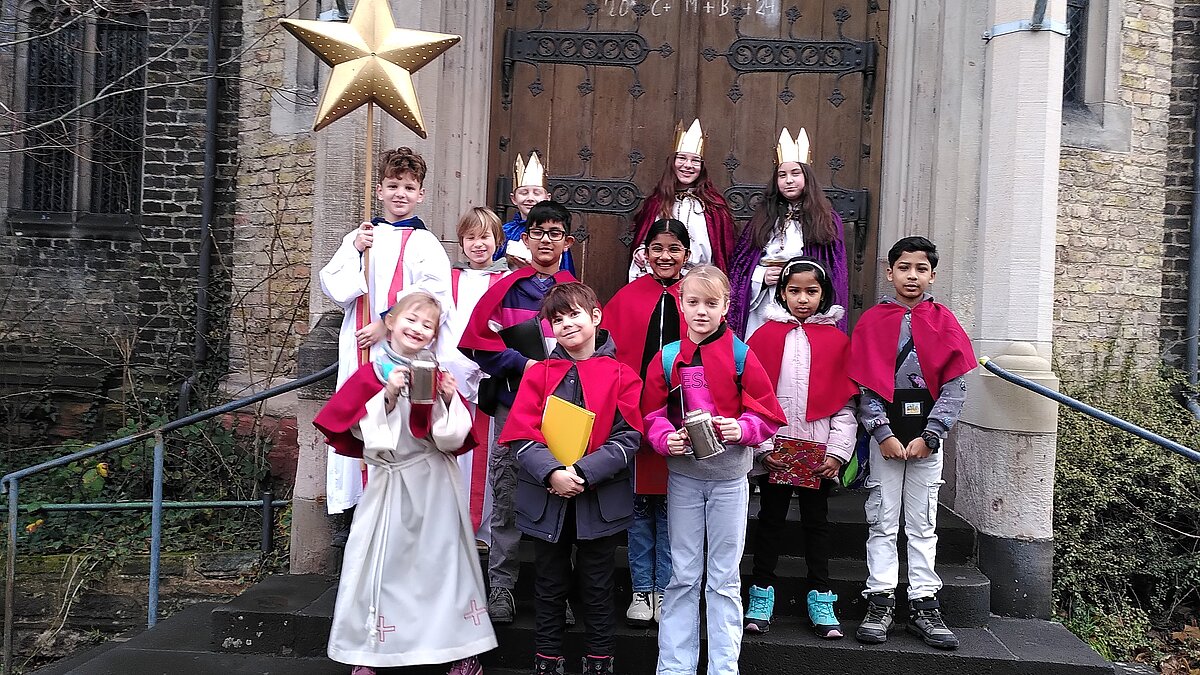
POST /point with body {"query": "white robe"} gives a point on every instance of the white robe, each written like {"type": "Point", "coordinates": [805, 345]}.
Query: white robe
{"type": "Point", "coordinates": [690, 212]}
{"type": "Point", "coordinates": [472, 284]}
{"type": "Point", "coordinates": [783, 247]}
{"type": "Point", "coordinates": [411, 590]}
{"type": "Point", "coordinates": [427, 267]}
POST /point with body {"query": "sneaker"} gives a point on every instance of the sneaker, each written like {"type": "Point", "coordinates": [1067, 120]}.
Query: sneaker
{"type": "Point", "coordinates": [658, 600]}
{"type": "Point", "coordinates": [501, 606]}
{"type": "Point", "coordinates": [549, 665]}
{"type": "Point", "coordinates": [762, 607]}
{"type": "Point", "coordinates": [570, 618]}
{"type": "Point", "coordinates": [820, 612]}
{"type": "Point", "coordinates": [881, 611]}
{"type": "Point", "coordinates": [597, 665]}
{"type": "Point", "coordinates": [641, 610]}
{"type": "Point", "coordinates": [467, 666]}
{"type": "Point", "coordinates": [926, 621]}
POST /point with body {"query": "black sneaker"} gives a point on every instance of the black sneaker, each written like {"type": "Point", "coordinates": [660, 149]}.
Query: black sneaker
{"type": "Point", "coordinates": [926, 621]}
{"type": "Point", "coordinates": [501, 606]}
{"type": "Point", "coordinates": [881, 610]}
{"type": "Point", "coordinates": [597, 665]}
{"type": "Point", "coordinates": [549, 665]}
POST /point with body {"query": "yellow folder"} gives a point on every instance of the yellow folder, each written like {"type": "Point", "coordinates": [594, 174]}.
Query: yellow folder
{"type": "Point", "coordinates": [567, 429]}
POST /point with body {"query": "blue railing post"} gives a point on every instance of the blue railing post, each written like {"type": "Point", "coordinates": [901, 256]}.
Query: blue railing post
{"type": "Point", "coordinates": [156, 511]}
{"type": "Point", "coordinates": [10, 573]}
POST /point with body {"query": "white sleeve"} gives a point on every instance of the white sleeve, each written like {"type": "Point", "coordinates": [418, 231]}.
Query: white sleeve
{"type": "Point", "coordinates": [342, 277]}
{"type": "Point", "coordinates": [451, 424]}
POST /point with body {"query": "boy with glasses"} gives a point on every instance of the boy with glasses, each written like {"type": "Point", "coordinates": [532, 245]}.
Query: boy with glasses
{"type": "Point", "coordinates": [505, 336]}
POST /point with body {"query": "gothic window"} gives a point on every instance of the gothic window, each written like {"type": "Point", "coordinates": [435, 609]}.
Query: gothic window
{"type": "Point", "coordinates": [1075, 51]}
{"type": "Point", "coordinates": [83, 109]}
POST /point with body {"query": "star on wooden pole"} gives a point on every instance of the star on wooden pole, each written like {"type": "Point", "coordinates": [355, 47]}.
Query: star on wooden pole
{"type": "Point", "coordinates": [373, 61]}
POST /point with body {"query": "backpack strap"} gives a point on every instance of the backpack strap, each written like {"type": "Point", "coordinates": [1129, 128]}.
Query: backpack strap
{"type": "Point", "coordinates": [670, 352]}
{"type": "Point", "coordinates": [739, 355]}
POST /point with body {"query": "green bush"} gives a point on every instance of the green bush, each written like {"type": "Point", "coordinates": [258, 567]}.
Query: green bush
{"type": "Point", "coordinates": [1127, 512]}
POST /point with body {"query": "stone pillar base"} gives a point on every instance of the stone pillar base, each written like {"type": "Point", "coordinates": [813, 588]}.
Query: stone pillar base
{"type": "Point", "coordinates": [1021, 572]}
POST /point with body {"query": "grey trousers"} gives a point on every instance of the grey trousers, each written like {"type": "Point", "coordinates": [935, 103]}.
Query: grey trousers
{"type": "Point", "coordinates": [503, 557]}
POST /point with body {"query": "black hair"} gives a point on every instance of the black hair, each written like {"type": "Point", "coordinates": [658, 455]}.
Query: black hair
{"type": "Point", "coordinates": [913, 245]}
{"type": "Point", "coordinates": [549, 211]}
{"type": "Point", "coordinates": [803, 263]}
{"type": "Point", "coordinates": [668, 226]}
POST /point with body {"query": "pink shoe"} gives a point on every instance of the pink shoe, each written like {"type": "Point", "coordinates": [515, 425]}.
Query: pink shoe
{"type": "Point", "coordinates": [362, 670]}
{"type": "Point", "coordinates": [467, 666]}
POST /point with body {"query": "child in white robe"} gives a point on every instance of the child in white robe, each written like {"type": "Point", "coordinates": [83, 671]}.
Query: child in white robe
{"type": "Point", "coordinates": [411, 589]}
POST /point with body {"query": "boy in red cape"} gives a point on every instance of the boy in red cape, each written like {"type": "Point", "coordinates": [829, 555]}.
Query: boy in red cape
{"type": "Point", "coordinates": [584, 506]}
{"type": "Point", "coordinates": [502, 333]}
{"type": "Point", "coordinates": [908, 355]}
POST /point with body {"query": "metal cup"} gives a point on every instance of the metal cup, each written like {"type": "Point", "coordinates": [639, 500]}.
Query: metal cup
{"type": "Point", "coordinates": [703, 435]}
{"type": "Point", "coordinates": [422, 381]}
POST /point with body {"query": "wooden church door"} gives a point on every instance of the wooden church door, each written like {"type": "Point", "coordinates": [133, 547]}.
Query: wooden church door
{"type": "Point", "coordinates": [597, 87]}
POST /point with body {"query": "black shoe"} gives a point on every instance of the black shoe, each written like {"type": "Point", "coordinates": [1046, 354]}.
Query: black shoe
{"type": "Point", "coordinates": [501, 606]}
{"type": "Point", "coordinates": [597, 665]}
{"type": "Point", "coordinates": [926, 621]}
{"type": "Point", "coordinates": [881, 611]}
{"type": "Point", "coordinates": [549, 665]}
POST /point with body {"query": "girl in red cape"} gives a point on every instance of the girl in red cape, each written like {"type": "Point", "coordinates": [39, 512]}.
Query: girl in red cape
{"type": "Point", "coordinates": [642, 317]}
{"type": "Point", "coordinates": [685, 193]}
{"type": "Point", "coordinates": [718, 374]}
{"type": "Point", "coordinates": [805, 356]}
{"type": "Point", "coordinates": [394, 608]}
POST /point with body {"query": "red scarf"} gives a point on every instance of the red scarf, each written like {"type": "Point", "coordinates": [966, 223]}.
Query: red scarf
{"type": "Point", "coordinates": [348, 405]}
{"type": "Point", "coordinates": [829, 387]}
{"type": "Point", "coordinates": [756, 394]}
{"type": "Point", "coordinates": [478, 334]}
{"type": "Point", "coordinates": [943, 348]}
{"type": "Point", "coordinates": [627, 317]}
{"type": "Point", "coordinates": [608, 387]}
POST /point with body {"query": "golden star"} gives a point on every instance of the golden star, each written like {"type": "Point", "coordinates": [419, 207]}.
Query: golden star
{"type": "Point", "coordinates": [372, 61]}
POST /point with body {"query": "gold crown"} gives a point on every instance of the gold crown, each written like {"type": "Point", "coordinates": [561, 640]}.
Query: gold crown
{"type": "Point", "coordinates": [690, 141]}
{"type": "Point", "coordinates": [529, 174]}
{"type": "Point", "coordinates": [792, 151]}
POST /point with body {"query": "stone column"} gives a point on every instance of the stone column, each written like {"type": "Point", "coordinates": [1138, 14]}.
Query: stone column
{"type": "Point", "coordinates": [1005, 441]}
{"type": "Point", "coordinates": [455, 95]}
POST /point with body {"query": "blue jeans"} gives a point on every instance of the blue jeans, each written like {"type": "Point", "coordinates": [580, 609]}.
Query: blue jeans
{"type": "Point", "coordinates": [700, 510]}
{"type": "Point", "coordinates": [649, 547]}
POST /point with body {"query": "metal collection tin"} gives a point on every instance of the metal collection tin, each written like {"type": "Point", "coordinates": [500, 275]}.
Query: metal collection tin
{"type": "Point", "coordinates": [703, 435]}
{"type": "Point", "coordinates": [422, 384]}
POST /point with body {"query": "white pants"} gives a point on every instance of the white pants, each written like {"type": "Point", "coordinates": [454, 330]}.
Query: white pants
{"type": "Point", "coordinates": [700, 511]}
{"type": "Point", "coordinates": [910, 485]}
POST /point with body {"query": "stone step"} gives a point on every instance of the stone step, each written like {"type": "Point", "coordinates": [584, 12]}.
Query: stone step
{"type": "Point", "coordinates": [965, 595]}
{"type": "Point", "coordinates": [179, 645]}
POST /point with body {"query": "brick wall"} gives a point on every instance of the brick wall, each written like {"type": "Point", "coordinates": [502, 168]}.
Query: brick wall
{"type": "Point", "coordinates": [1109, 255]}
{"type": "Point", "coordinates": [272, 244]}
{"type": "Point", "coordinates": [1185, 86]}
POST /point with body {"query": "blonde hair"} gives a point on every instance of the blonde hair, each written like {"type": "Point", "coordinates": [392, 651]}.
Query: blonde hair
{"type": "Point", "coordinates": [479, 219]}
{"type": "Point", "coordinates": [417, 300]}
{"type": "Point", "coordinates": [707, 280]}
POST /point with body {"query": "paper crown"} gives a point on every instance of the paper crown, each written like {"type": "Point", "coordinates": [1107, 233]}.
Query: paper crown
{"type": "Point", "coordinates": [691, 140]}
{"type": "Point", "coordinates": [529, 174]}
{"type": "Point", "coordinates": [792, 151]}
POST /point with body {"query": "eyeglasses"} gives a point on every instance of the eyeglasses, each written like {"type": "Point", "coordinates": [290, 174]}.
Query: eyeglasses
{"type": "Point", "coordinates": [673, 249]}
{"type": "Point", "coordinates": [552, 235]}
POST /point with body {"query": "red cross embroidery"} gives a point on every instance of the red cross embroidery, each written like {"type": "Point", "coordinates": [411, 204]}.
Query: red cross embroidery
{"type": "Point", "coordinates": [475, 613]}
{"type": "Point", "coordinates": [383, 629]}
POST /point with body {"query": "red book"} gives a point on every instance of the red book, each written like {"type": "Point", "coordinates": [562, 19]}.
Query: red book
{"type": "Point", "coordinates": [803, 458]}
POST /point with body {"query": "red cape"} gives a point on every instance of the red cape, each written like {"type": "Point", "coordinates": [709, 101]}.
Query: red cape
{"type": "Point", "coordinates": [718, 217]}
{"type": "Point", "coordinates": [627, 317]}
{"type": "Point", "coordinates": [757, 394]}
{"type": "Point", "coordinates": [477, 334]}
{"type": "Point", "coordinates": [943, 348]}
{"type": "Point", "coordinates": [348, 405]}
{"type": "Point", "coordinates": [829, 387]}
{"type": "Point", "coordinates": [608, 387]}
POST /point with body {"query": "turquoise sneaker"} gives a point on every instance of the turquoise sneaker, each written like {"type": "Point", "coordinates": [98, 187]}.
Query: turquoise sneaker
{"type": "Point", "coordinates": [762, 607]}
{"type": "Point", "coordinates": [820, 612]}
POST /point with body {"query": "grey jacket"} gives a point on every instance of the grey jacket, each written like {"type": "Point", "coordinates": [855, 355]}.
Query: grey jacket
{"type": "Point", "coordinates": [606, 505]}
{"type": "Point", "coordinates": [872, 409]}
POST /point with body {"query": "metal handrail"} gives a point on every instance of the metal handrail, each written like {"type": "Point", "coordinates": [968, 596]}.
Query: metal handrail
{"type": "Point", "coordinates": [1086, 409]}
{"type": "Point", "coordinates": [10, 483]}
